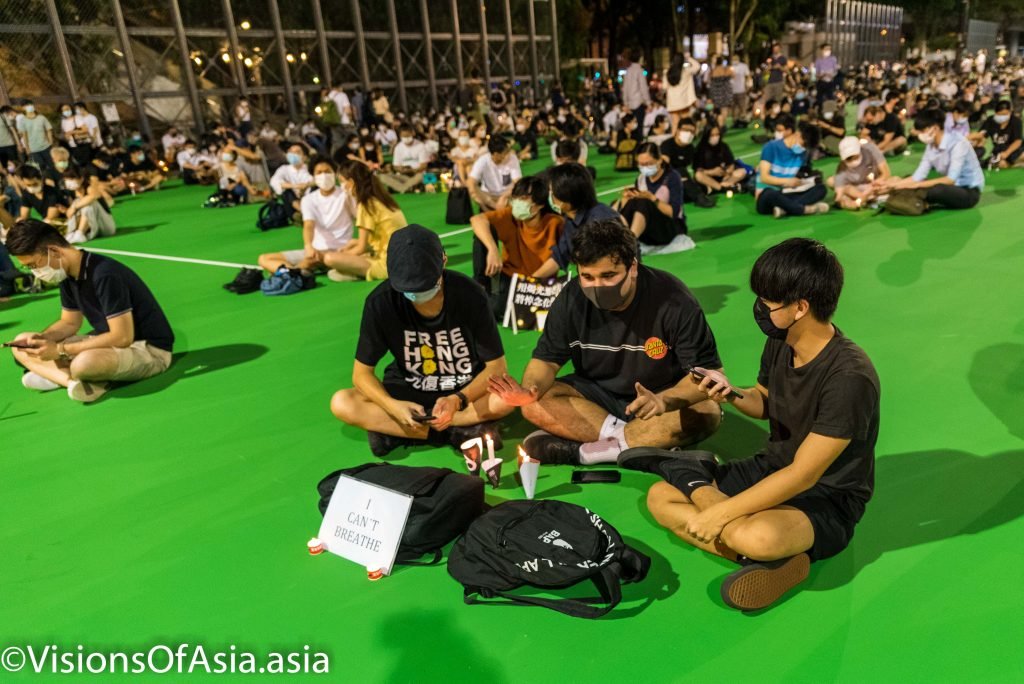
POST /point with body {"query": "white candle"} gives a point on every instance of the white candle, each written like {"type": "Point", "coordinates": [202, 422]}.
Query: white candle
{"type": "Point", "coordinates": [490, 447]}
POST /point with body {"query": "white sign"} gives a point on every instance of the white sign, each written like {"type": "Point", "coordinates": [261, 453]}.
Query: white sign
{"type": "Point", "coordinates": [110, 114]}
{"type": "Point", "coordinates": [364, 523]}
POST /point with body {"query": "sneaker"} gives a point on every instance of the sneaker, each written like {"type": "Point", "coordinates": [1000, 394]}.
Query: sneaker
{"type": "Point", "coordinates": [821, 208]}
{"type": "Point", "coordinates": [653, 460]}
{"type": "Point", "coordinates": [248, 280]}
{"type": "Point", "coordinates": [760, 584]}
{"type": "Point", "coordinates": [778, 212]}
{"type": "Point", "coordinates": [706, 201]}
{"type": "Point", "coordinates": [339, 277]}
{"type": "Point", "coordinates": [381, 445]}
{"type": "Point", "coordinates": [34, 381]}
{"type": "Point", "coordinates": [87, 392]}
{"type": "Point", "coordinates": [552, 450]}
{"type": "Point", "coordinates": [457, 435]}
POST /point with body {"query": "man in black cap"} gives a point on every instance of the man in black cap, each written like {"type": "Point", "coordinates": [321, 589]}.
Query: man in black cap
{"type": "Point", "coordinates": [436, 324]}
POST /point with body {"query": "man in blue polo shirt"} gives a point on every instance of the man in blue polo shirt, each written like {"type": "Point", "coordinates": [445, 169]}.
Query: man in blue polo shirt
{"type": "Point", "coordinates": [779, 190]}
{"type": "Point", "coordinates": [951, 155]}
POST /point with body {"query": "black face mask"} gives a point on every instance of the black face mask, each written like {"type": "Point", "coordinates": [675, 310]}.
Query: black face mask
{"type": "Point", "coordinates": [607, 297]}
{"type": "Point", "coordinates": [763, 316]}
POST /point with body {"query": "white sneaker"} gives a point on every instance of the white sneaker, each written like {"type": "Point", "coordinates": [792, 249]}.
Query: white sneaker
{"type": "Point", "coordinates": [778, 212]}
{"type": "Point", "coordinates": [821, 208]}
{"type": "Point", "coordinates": [77, 237]}
{"type": "Point", "coordinates": [339, 277]}
{"type": "Point", "coordinates": [34, 381]}
{"type": "Point", "coordinates": [86, 392]}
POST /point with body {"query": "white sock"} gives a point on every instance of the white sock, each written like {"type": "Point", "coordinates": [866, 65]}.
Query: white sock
{"type": "Point", "coordinates": [601, 451]}
{"type": "Point", "coordinates": [613, 428]}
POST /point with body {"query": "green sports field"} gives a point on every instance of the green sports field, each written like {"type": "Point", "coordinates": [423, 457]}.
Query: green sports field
{"type": "Point", "coordinates": [177, 510]}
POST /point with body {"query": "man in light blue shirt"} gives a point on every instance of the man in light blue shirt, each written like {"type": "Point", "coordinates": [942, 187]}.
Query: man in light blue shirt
{"type": "Point", "coordinates": [951, 155]}
{"type": "Point", "coordinates": [826, 68]}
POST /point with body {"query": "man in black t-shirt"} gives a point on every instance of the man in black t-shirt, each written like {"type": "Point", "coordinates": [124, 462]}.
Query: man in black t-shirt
{"type": "Point", "coordinates": [47, 200]}
{"type": "Point", "coordinates": [131, 338]}
{"type": "Point", "coordinates": [885, 129]}
{"type": "Point", "coordinates": [437, 327]}
{"type": "Point", "coordinates": [679, 151]}
{"type": "Point", "coordinates": [140, 172]}
{"type": "Point", "coordinates": [1004, 130]}
{"type": "Point", "coordinates": [631, 333]}
{"type": "Point", "coordinates": [800, 497]}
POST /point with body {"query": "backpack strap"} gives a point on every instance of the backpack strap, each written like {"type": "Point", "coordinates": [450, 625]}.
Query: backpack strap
{"type": "Point", "coordinates": [438, 555]}
{"type": "Point", "coordinates": [606, 581]}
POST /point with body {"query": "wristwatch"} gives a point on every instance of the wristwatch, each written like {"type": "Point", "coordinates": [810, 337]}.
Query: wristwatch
{"type": "Point", "coordinates": [61, 353]}
{"type": "Point", "coordinates": [463, 401]}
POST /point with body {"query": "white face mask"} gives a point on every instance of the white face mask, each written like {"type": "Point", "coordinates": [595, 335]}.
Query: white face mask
{"type": "Point", "coordinates": [926, 138]}
{"type": "Point", "coordinates": [648, 171]}
{"type": "Point", "coordinates": [463, 139]}
{"type": "Point", "coordinates": [685, 137]}
{"type": "Point", "coordinates": [324, 181]}
{"type": "Point", "coordinates": [29, 109]}
{"type": "Point", "coordinates": [227, 157]}
{"type": "Point", "coordinates": [853, 162]}
{"type": "Point", "coordinates": [714, 140]}
{"type": "Point", "coordinates": [828, 115]}
{"type": "Point", "coordinates": [1001, 118]}
{"type": "Point", "coordinates": [71, 184]}
{"type": "Point", "coordinates": [779, 135]}
{"type": "Point", "coordinates": [407, 139]}
{"type": "Point", "coordinates": [826, 53]}
{"type": "Point", "coordinates": [49, 274]}
{"type": "Point", "coordinates": [425, 296]}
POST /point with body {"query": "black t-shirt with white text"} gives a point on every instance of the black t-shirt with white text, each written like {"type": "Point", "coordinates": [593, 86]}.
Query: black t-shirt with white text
{"type": "Point", "coordinates": [106, 289]}
{"type": "Point", "coordinates": [1002, 137]}
{"type": "Point", "coordinates": [835, 395]}
{"type": "Point", "coordinates": [434, 356]}
{"type": "Point", "coordinates": [654, 341]}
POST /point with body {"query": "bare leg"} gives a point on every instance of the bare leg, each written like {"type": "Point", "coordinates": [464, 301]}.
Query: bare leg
{"type": "Point", "coordinates": [51, 370]}
{"type": "Point", "coordinates": [94, 365]}
{"type": "Point", "coordinates": [352, 407]}
{"type": "Point", "coordinates": [351, 264]}
{"type": "Point", "coordinates": [639, 224]}
{"type": "Point", "coordinates": [564, 412]}
{"type": "Point", "coordinates": [483, 410]}
{"type": "Point", "coordinates": [676, 428]}
{"type": "Point", "coordinates": [707, 180]}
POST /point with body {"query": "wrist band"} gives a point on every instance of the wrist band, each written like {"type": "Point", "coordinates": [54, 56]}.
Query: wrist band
{"type": "Point", "coordinates": [463, 401]}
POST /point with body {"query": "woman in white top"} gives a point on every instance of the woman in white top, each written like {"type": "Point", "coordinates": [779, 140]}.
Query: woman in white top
{"type": "Point", "coordinates": [463, 154]}
{"type": "Point", "coordinates": [680, 93]}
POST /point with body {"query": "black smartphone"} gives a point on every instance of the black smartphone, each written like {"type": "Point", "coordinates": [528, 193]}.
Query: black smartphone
{"type": "Point", "coordinates": [17, 345]}
{"type": "Point", "coordinates": [591, 476]}
{"type": "Point", "coordinates": [423, 419]}
{"type": "Point", "coordinates": [700, 376]}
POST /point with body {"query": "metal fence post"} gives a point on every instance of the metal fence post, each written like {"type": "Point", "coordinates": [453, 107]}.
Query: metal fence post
{"type": "Point", "coordinates": [460, 75]}
{"type": "Point", "coordinates": [428, 46]}
{"type": "Point", "coordinates": [483, 47]}
{"type": "Point", "coordinates": [236, 63]}
{"type": "Point", "coordinates": [534, 64]}
{"type": "Point", "coordinates": [510, 52]}
{"type": "Point", "coordinates": [397, 47]}
{"type": "Point", "coordinates": [554, 40]}
{"type": "Point", "coordinates": [186, 65]}
{"type": "Point", "coordinates": [282, 51]}
{"type": "Point", "coordinates": [364, 66]}
{"type": "Point", "coordinates": [62, 48]}
{"type": "Point", "coordinates": [129, 63]}
{"type": "Point", "coordinates": [321, 39]}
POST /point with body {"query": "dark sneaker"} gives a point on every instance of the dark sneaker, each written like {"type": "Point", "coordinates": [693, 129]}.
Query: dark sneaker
{"type": "Point", "coordinates": [381, 445]}
{"type": "Point", "coordinates": [760, 584]}
{"type": "Point", "coordinates": [705, 200]}
{"type": "Point", "coordinates": [552, 450]}
{"type": "Point", "coordinates": [458, 435]}
{"type": "Point", "coordinates": [248, 280]}
{"type": "Point", "coordinates": [655, 461]}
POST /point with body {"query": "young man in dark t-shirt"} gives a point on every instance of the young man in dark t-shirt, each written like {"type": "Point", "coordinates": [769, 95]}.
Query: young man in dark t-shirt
{"type": "Point", "coordinates": [800, 497]}
{"type": "Point", "coordinates": [437, 326]}
{"type": "Point", "coordinates": [131, 338]}
{"type": "Point", "coordinates": [679, 150]}
{"type": "Point", "coordinates": [885, 129]}
{"type": "Point", "coordinates": [1004, 130]}
{"type": "Point", "coordinates": [631, 333]}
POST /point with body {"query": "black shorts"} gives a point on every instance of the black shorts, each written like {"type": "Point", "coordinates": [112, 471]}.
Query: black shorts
{"type": "Point", "coordinates": [614, 404]}
{"type": "Point", "coordinates": [833, 515]}
{"type": "Point", "coordinates": [404, 392]}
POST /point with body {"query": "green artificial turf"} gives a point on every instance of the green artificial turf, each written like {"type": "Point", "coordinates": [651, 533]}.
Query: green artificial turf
{"type": "Point", "coordinates": [177, 509]}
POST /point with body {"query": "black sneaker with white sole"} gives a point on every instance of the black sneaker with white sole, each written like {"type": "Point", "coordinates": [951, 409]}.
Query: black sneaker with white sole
{"type": "Point", "coordinates": [381, 445]}
{"type": "Point", "coordinates": [759, 584]}
{"type": "Point", "coordinates": [663, 462]}
{"type": "Point", "coordinates": [248, 280]}
{"type": "Point", "coordinates": [552, 450]}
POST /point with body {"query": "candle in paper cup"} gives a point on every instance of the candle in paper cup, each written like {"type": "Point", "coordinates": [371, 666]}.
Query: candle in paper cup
{"type": "Point", "coordinates": [490, 447]}
{"type": "Point", "coordinates": [473, 452]}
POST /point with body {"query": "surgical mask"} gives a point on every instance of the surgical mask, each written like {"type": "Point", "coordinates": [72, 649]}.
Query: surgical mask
{"type": "Point", "coordinates": [324, 181]}
{"type": "Point", "coordinates": [34, 189]}
{"type": "Point", "coordinates": [353, 146]}
{"type": "Point", "coordinates": [763, 316]}
{"type": "Point", "coordinates": [775, 110]}
{"type": "Point", "coordinates": [49, 274]}
{"type": "Point", "coordinates": [801, 96]}
{"type": "Point", "coordinates": [66, 113]}
{"type": "Point", "coordinates": [648, 171]}
{"type": "Point", "coordinates": [853, 162]}
{"type": "Point", "coordinates": [607, 297]}
{"type": "Point", "coordinates": [521, 128]}
{"type": "Point", "coordinates": [407, 139]}
{"type": "Point", "coordinates": [227, 157]}
{"type": "Point", "coordinates": [798, 149]}
{"type": "Point", "coordinates": [29, 109]}
{"type": "Point", "coordinates": [294, 159]}
{"type": "Point", "coordinates": [522, 209]}
{"type": "Point", "coordinates": [828, 115]}
{"type": "Point", "coordinates": [714, 140]}
{"type": "Point", "coordinates": [422, 297]}
{"type": "Point", "coordinates": [926, 138]}
{"type": "Point", "coordinates": [554, 207]}
{"type": "Point", "coordinates": [779, 135]}
{"type": "Point", "coordinates": [71, 184]}
{"type": "Point", "coordinates": [826, 53]}
{"type": "Point", "coordinates": [962, 119]}
{"type": "Point", "coordinates": [685, 137]}
{"type": "Point", "coordinates": [463, 139]}
{"type": "Point", "coordinates": [61, 165]}
{"type": "Point", "coordinates": [1001, 118]}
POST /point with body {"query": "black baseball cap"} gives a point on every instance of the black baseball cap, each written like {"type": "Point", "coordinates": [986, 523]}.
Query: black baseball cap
{"type": "Point", "coordinates": [415, 259]}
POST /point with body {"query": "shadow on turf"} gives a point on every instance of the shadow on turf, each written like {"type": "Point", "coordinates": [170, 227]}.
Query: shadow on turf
{"type": "Point", "coordinates": [712, 298]}
{"type": "Point", "coordinates": [928, 241]}
{"type": "Point", "coordinates": [424, 643]}
{"type": "Point", "coordinates": [128, 230]}
{"type": "Point", "coordinates": [924, 497]}
{"type": "Point", "coordinates": [189, 364]}
{"type": "Point", "coordinates": [719, 232]}
{"type": "Point", "coordinates": [997, 378]}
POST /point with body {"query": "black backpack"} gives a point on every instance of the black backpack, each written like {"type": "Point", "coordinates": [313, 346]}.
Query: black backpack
{"type": "Point", "coordinates": [274, 214]}
{"type": "Point", "coordinates": [444, 503]}
{"type": "Point", "coordinates": [545, 544]}
{"type": "Point", "coordinates": [460, 208]}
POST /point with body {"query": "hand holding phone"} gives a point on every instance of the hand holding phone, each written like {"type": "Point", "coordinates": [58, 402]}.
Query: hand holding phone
{"type": "Point", "coordinates": [18, 344]}
{"type": "Point", "coordinates": [423, 419]}
{"type": "Point", "coordinates": [700, 375]}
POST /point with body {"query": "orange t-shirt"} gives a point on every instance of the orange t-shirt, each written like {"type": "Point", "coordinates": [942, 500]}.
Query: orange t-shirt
{"type": "Point", "coordinates": [524, 250]}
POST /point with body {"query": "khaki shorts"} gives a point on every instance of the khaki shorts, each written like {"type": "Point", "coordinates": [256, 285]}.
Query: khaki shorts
{"type": "Point", "coordinates": [139, 361]}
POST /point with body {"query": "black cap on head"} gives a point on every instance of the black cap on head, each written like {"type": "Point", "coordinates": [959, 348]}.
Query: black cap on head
{"type": "Point", "coordinates": [415, 259]}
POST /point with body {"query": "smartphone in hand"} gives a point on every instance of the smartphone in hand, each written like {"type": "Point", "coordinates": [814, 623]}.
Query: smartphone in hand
{"type": "Point", "coordinates": [700, 376]}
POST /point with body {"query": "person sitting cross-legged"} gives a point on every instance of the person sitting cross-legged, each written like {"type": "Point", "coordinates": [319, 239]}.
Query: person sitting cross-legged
{"type": "Point", "coordinates": [631, 332]}
{"type": "Point", "coordinates": [799, 498]}
{"type": "Point", "coordinates": [437, 327]}
{"type": "Point", "coordinates": [131, 338]}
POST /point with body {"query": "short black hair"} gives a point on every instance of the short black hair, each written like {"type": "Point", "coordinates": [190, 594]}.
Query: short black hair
{"type": "Point", "coordinates": [961, 106]}
{"type": "Point", "coordinates": [604, 238]}
{"type": "Point", "coordinates": [1004, 106]}
{"type": "Point", "coordinates": [321, 159]}
{"type": "Point", "coordinates": [567, 149]}
{"type": "Point", "coordinates": [786, 120]}
{"type": "Point", "coordinates": [498, 144]}
{"type": "Point", "coordinates": [533, 187]}
{"type": "Point", "coordinates": [32, 236]}
{"type": "Point", "coordinates": [928, 118]}
{"type": "Point", "coordinates": [809, 132]}
{"type": "Point", "coordinates": [799, 268]}
{"type": "Point", "coordinates": [28, 172]}
{"type": "Point", "coordinates": [571, 183]}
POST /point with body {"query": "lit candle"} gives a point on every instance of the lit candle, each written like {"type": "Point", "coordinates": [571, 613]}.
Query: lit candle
{"type": "Point", "coordinates": [490, 446]}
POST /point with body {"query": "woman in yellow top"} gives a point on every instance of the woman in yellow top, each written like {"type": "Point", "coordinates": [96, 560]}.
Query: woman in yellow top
{"type": "Point", "coordinates": [377, 217]}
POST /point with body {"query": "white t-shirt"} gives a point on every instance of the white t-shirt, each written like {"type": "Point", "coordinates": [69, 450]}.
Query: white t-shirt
{"type": "Point", "coordinates": [740, 71]}
{"type": "Point", "coordinates": [612, 120]}
{"type": "Point", "coordinates": [191, 158]}
{"type": "Point", "coordinates": [68, 124]}
{"type": "Point", "coordinates": [242, 112]}
{"type": "Point", "coordinates": [385, 138]}
{"type": "Point", "coordinates": [331, 216]}
{"type": "Point", "coordinates": [169, 141]}
{"type": "Point", "coordinates": [414, 154]}
{"type": "Point", "coordinates": [496, 178]}
{"type": "Point", "coordinates": [341, 101]}
{"type": "Point", "coordinates": [468, 153]}
{"type": "Point", "coordinates": [292, 175]}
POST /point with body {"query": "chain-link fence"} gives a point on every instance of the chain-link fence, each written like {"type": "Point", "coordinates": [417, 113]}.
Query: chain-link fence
{"type": "Point", "coordinates": [148, 64]}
